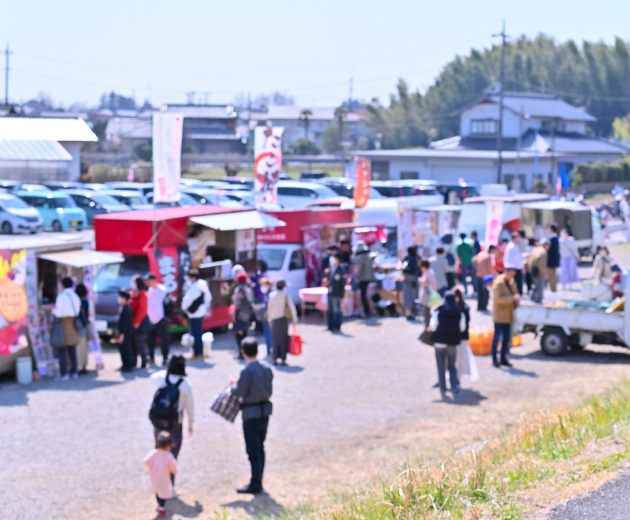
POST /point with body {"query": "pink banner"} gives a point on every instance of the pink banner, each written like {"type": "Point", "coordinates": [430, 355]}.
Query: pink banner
{"type": "Point", "coordinates": [313, 257]}
{"type": "Point", "coordinates": [13, 301]}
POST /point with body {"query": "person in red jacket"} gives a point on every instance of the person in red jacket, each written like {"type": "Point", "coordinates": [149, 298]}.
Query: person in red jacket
{"type": "Point", "coordinates": [141, 324]}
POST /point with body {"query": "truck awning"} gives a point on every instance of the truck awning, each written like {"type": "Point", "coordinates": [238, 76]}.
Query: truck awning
{"type": "Point", "coordinates": [238, 220]}
{"type": "Point", "coordinates": [83, 258]}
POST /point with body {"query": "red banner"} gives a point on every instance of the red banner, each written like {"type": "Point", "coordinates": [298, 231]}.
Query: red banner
{"type": "Point", "coordinates": [170, 265]}
{"type": "Point", "coordinates": [362, 186]}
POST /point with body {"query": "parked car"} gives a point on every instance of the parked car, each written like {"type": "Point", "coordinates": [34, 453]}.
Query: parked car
{"type": "Point", "coordinates": [212, 197]}
{"type": "Point", "coordinates": [247, 198]}
{"type": "Point", "coordinates": [463, 191]}
{"type": "Point", "coordinates": [142, 187]}
{"type": "Point", "coordinates": [243, 181]}
{"type": "Point", "coordinates": [9, 185]}
{"type": "Point", "coordinates": [134, 199]}
{"type": "Point", "coordinates": [56, 208]}
{"type": "Point", "coordinates": [95, 203]}
{"type": "Point", "coordinates": [33, 187]}
{"type": "Point", "coordinates": [63, 185]}
{"type": "Point", "coordinates": [294, 194]}
{"type": "Point", "coordinates": [345, 187]}
{"type": "Point", "coordinates": [95, 186]}
{"type": "Point", "coordinates": [285, 262]}
{"type": "Point", "coordinates": [313, 175]}
{"type": "Point", "coordinates": [403, 189]}
{"type": "Point", "coordinates": [192, 183]}
{"type": "Point", "coordinates": [220, 185]}
{"type": "Point", "coordinates": [16, 216]}
{"type": "Point", "coordinates": [184, 200]}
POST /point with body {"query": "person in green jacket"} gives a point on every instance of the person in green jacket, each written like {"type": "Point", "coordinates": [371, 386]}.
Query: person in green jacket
{"type": "Point", "coordinates": [465, 253]}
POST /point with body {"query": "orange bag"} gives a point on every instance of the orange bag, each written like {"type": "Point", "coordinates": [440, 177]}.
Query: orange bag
{"type": "Point", "coordinates": [295, 347]}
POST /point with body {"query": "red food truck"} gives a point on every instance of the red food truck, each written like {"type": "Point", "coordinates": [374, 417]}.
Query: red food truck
{"type": "Point", "coordinates": [169, 241]}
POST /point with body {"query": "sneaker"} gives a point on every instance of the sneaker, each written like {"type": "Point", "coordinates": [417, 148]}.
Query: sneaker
{"type": "Point", "coordinates": [161, 511]}
{"type": "Point", "coordinates": [75, 376]}
{"type": "Point", "coordinates": [496, 364]}
{"type": "Point", "coordinates": [66, 377]}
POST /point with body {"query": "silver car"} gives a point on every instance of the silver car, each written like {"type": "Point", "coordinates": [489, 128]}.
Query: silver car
{"type": "Point", "coordinates": [16, 216]}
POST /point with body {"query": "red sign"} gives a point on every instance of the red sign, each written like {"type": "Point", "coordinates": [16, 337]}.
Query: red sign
{"type": "Point", "coordinates": [170, 265]}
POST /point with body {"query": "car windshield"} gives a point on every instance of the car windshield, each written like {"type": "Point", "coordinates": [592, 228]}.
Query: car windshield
{"type": "Point", "coordinates": [106, 200]}
{"type": "Point", "coordinates": [324, 192]}
{"type": "Point", "coordinates": [187, 200]}
{"type": "Point", "coordinates": [13, 203]}
{"type": "Point", "coordinates": [130, 200]}
{"type": "Point", "coordinates": [113, 277]}
{"type": "Point", "coordinates": [273, 257]}
{"type": "Point", "coordinates": [62, 202]}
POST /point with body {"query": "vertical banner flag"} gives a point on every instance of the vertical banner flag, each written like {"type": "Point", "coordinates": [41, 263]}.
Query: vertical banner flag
{"type": "Point", "coordinates": [362, 184]}
{"type": "Point", "coordinates": [167, 154]}
{"type": "Point", "coordinates": [404, 229]}
{"type": "Point", "coordinates": [267, 163]}
{"type": "Point", "coordinates": [494, 222]}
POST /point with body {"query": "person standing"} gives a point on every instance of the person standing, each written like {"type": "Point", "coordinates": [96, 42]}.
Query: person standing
{"type": "Point", "coordinates": [537, 267]}
{"type": "Point", "coordinates": [465, 252]}
{"type": "Point", "coordinates": [262, 313]}
{"type": "Point", "coordinates": [484, 266]}
{"type": "Point", "coordinates": [601, 265]}
{"type": "Point", "coordinates": [569, 258]}
{"type": "Point", "coordinates": [176, 375]}
{"type": "Point", "coordinates": [162, 465]}
{"type": "Point", "coordinates": [505, 298]}
{"type": "Point", "coordinates": [439, 265]}
{"type": "Point", "coordinates": [84, 340]}
{"type": "Point", "coordinates": [411, 272]}
{"type": "Point", "coordinates": [159, 321]}
{"type": "Point", "coordinates": [447, 322]}
{"type": "Point", "coordinates": [280, 309]}
{"type": "Point", "coordinates": [243, 303]}
{"type": "Point", "coordinates": [366, 274]}
{"type": "Point", "coordinates": [336, 284]}
{"type": "Point", "coordinates": [476, 244]}
{"type": "Point", "coordinates": [346, 254]}
{"type": "Point", "coordinates": [125, 332]}
{"type": "Point", "coordinates": [427, 284]}
{"type": "Point", "coordinates": [141, 322]}
{"type": "Point", "coordinates": [254, 389]}
{"type": "Point", "coordinates": [465, 361]}
{"type": "Point", "coordinates": [260, 273]}
{"type": "Point", "coordinates": [553, 257]}
{"type": "Point", "coordinates": [196, 303]}
{"type": "Point", "coordinates": [67, 308]}
{"type": "Point", "coordinates": [513, 259]}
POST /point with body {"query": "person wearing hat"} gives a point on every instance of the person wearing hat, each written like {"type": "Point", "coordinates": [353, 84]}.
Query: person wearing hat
{"type": "Point", "coordinates": [537, 268]}
{"type": "Point", "coordinates": [505, 298]}
{"type": "Point", "coordinates": [243, 304]}
{"type": "Point", "coordinates": [159, 322]}
{"type": "Point", "coordinates": [176, 375]}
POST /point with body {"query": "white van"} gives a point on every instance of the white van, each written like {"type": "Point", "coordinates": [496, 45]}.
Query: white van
{"type": "Point", "coordinates": [285, 262]}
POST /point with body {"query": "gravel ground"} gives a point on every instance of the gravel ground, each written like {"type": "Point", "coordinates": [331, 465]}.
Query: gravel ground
{"type": "Point", "coordinates": [349, 410]}
{"type": "Point", "coordinates": [609, 502]}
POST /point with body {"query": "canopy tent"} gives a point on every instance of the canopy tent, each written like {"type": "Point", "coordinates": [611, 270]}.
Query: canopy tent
{"type": "Point", "coordinates": [235, 221]}
{"type": "Point", "coordinates": [83, 258]}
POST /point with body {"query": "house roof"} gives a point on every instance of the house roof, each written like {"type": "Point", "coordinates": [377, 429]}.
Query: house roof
{"type": "Point", "coordinates": [423, 153]}
{"type": "Point", "coordinates": [203, 111]}
{"type": "Point", "coordinates": [45, 129]}
{"type": "Point", "coordinates": [129, 127]}
{"type": "Point", "coordinates": [17, 150]}
{"type": "Point", "coordinates": [547, 106]}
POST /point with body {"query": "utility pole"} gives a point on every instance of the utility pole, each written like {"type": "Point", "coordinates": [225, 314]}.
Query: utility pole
{"type": "Point", "coordinates": [7, 53]}
{"type": "Point", "coordinates": [350, 97]}
{"type": "Point", "coordinates": [249, 130]}
{"type": "Point", "coordinates": [501, 93]}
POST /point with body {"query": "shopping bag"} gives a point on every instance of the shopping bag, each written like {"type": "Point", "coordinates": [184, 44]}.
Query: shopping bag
{"type": "Point", "coordinates": [295, 346]}
{"type": "Point", "coordinates": [427, 337]}
{"type": "Point", "coordinates": [434, 298]}
{"type": "Point", "coordinates": [226, 404]}
{"type": "Point", "coordinates": [57, 339]}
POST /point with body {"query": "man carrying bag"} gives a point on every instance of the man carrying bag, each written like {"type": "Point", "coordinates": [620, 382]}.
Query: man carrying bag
{"type": "Point", "coordinates": [67, 309]}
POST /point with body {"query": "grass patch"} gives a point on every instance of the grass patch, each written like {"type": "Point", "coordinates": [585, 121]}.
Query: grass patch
{"type": "Point", "coordinates": [546, 451]}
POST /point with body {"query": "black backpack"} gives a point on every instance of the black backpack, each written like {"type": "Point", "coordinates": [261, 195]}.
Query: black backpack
{"type": "Point", "coordinates": [164, 413]}
{"type": "Point", "coordinates": [169, 306]}
{"type": "Point", "coordinates": [245, 309]}
{"type": "Point", "coordinates": [450, 259]}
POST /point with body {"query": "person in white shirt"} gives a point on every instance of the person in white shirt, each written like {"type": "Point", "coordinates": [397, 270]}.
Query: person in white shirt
{"type": "Point", "coordinates": [513, 259]}
{"type": "Point", "coordinates": [196, 303]}
{"type": "Point", "coordinates": [177, 372]}
{"type": "Point", "coordinates": [278, 304]}
{"type": "Point", "coordinates": [68, 307]}
{"type": "Point", "coordinates": [159, 322]}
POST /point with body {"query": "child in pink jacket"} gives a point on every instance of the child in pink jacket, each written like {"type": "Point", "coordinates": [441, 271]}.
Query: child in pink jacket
{"type": "Point", "coordinates": [161, 465]}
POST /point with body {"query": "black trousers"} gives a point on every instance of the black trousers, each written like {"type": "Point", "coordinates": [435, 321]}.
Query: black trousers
{"type": "Point", "coordinates": [518, 278]}
{"type": "Point", "coordinates": [255, 433]}
{"type": "Point", "coordinates": [363, 287]}
{"type": "Point", "coordinates": [450, 280]}
{"type": "Point", "coordinates": [483, 296]}
{"type": "Point", "coordinates": [161, 501]}
{"type": "Point", "coordinates": [159, 330]}
{"type": "Point", "coordinates": [126, 355]}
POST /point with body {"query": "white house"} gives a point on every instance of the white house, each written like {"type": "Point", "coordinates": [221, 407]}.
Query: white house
{"type": "Point", "coordinates": [69, 133]}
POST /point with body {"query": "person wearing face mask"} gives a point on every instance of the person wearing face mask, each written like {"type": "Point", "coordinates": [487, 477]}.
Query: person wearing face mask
{"type": "Point", "coordinates": [336, 284]}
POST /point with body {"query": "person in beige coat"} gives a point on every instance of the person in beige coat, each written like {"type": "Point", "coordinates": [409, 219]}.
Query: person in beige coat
{"type": "Point", "coordinates": [537, 267]}
{"type": "Point", "coordinates": [505, 298]}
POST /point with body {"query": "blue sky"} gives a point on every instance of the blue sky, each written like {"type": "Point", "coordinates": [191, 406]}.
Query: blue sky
{"type": "Point", "coordinates": [76, 50]}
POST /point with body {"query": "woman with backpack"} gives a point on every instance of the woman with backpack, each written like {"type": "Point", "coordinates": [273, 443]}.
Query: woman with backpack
{"type": "Point", "coordinates": [243, 308]}
{"type": "Point", "coordinates": [172, 400]}
{"type": "Point", "coordinates": [410, 285]}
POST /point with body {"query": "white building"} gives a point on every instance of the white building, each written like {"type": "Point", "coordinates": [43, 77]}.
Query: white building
{"type": "Point", "coordinates": [69, 133]}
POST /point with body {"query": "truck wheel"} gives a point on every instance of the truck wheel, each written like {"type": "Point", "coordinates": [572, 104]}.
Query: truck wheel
{"type": "Point", "coordinates": [554, 342]}
{"type": "Point", "coordinates": [56, 226]}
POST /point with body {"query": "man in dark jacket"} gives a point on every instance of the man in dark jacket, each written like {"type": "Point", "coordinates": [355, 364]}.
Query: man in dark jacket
{"type": "Point", "coordinates": [254, 388]}
{"type": "Point", "coordinates": [336, 291]}
{"type": "Point", "coordinates": [553, 257]}
{"type": "Point", "coordinates": [125, 331]}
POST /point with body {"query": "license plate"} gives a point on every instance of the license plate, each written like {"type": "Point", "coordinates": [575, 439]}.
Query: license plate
{"type": "Point", "coordinates": [101, 325]}
{"type": "Point", "coordinates": [74, 223]}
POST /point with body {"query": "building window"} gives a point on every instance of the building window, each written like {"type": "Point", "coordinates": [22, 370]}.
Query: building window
{"type": "Point", "coordinates": [409, 175]}
{"type": "Point", "coordinates": [380, 170]}
{"type": "Point", "coordinates": [483, 127]}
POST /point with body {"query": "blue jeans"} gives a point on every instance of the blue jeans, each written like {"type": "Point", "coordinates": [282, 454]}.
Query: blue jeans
{"type": "Point", "coordinates": [334, 312]}
{"type": "Point", "coordinates": [502, 332]}
{"type": "Point", "coordinates": [468, 269]}
{"type": "Point", "coordinates": [196, 330]}
{"type": "Point", "coordinates": [64, 352]}
{"type": "Point", "coordinates": [267, 333]}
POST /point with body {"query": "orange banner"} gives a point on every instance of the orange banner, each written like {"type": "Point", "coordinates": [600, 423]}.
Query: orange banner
{"type": "Point", "coordinates": [362, 186]}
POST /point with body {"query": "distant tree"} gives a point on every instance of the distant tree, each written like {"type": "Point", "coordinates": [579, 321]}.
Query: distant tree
{"type": "Point", "coordinates": [113, 101]}
{"type": "Point", "coordinates": [262, 101]}
{"type": "Point", "coordinates": [305, 118]}
{"type": "Point", "coordinates": [305, 147]}
{"type": "Point", "coordinates": [330, 139]}
{"type": "Point", "coordinates": [621, 129]}
{"type": "Point", "coordinates": [98, 127]}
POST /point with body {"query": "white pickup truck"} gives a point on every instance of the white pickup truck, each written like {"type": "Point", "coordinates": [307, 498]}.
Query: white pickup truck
{"type": "Point", "coordinates": [576, 324]}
